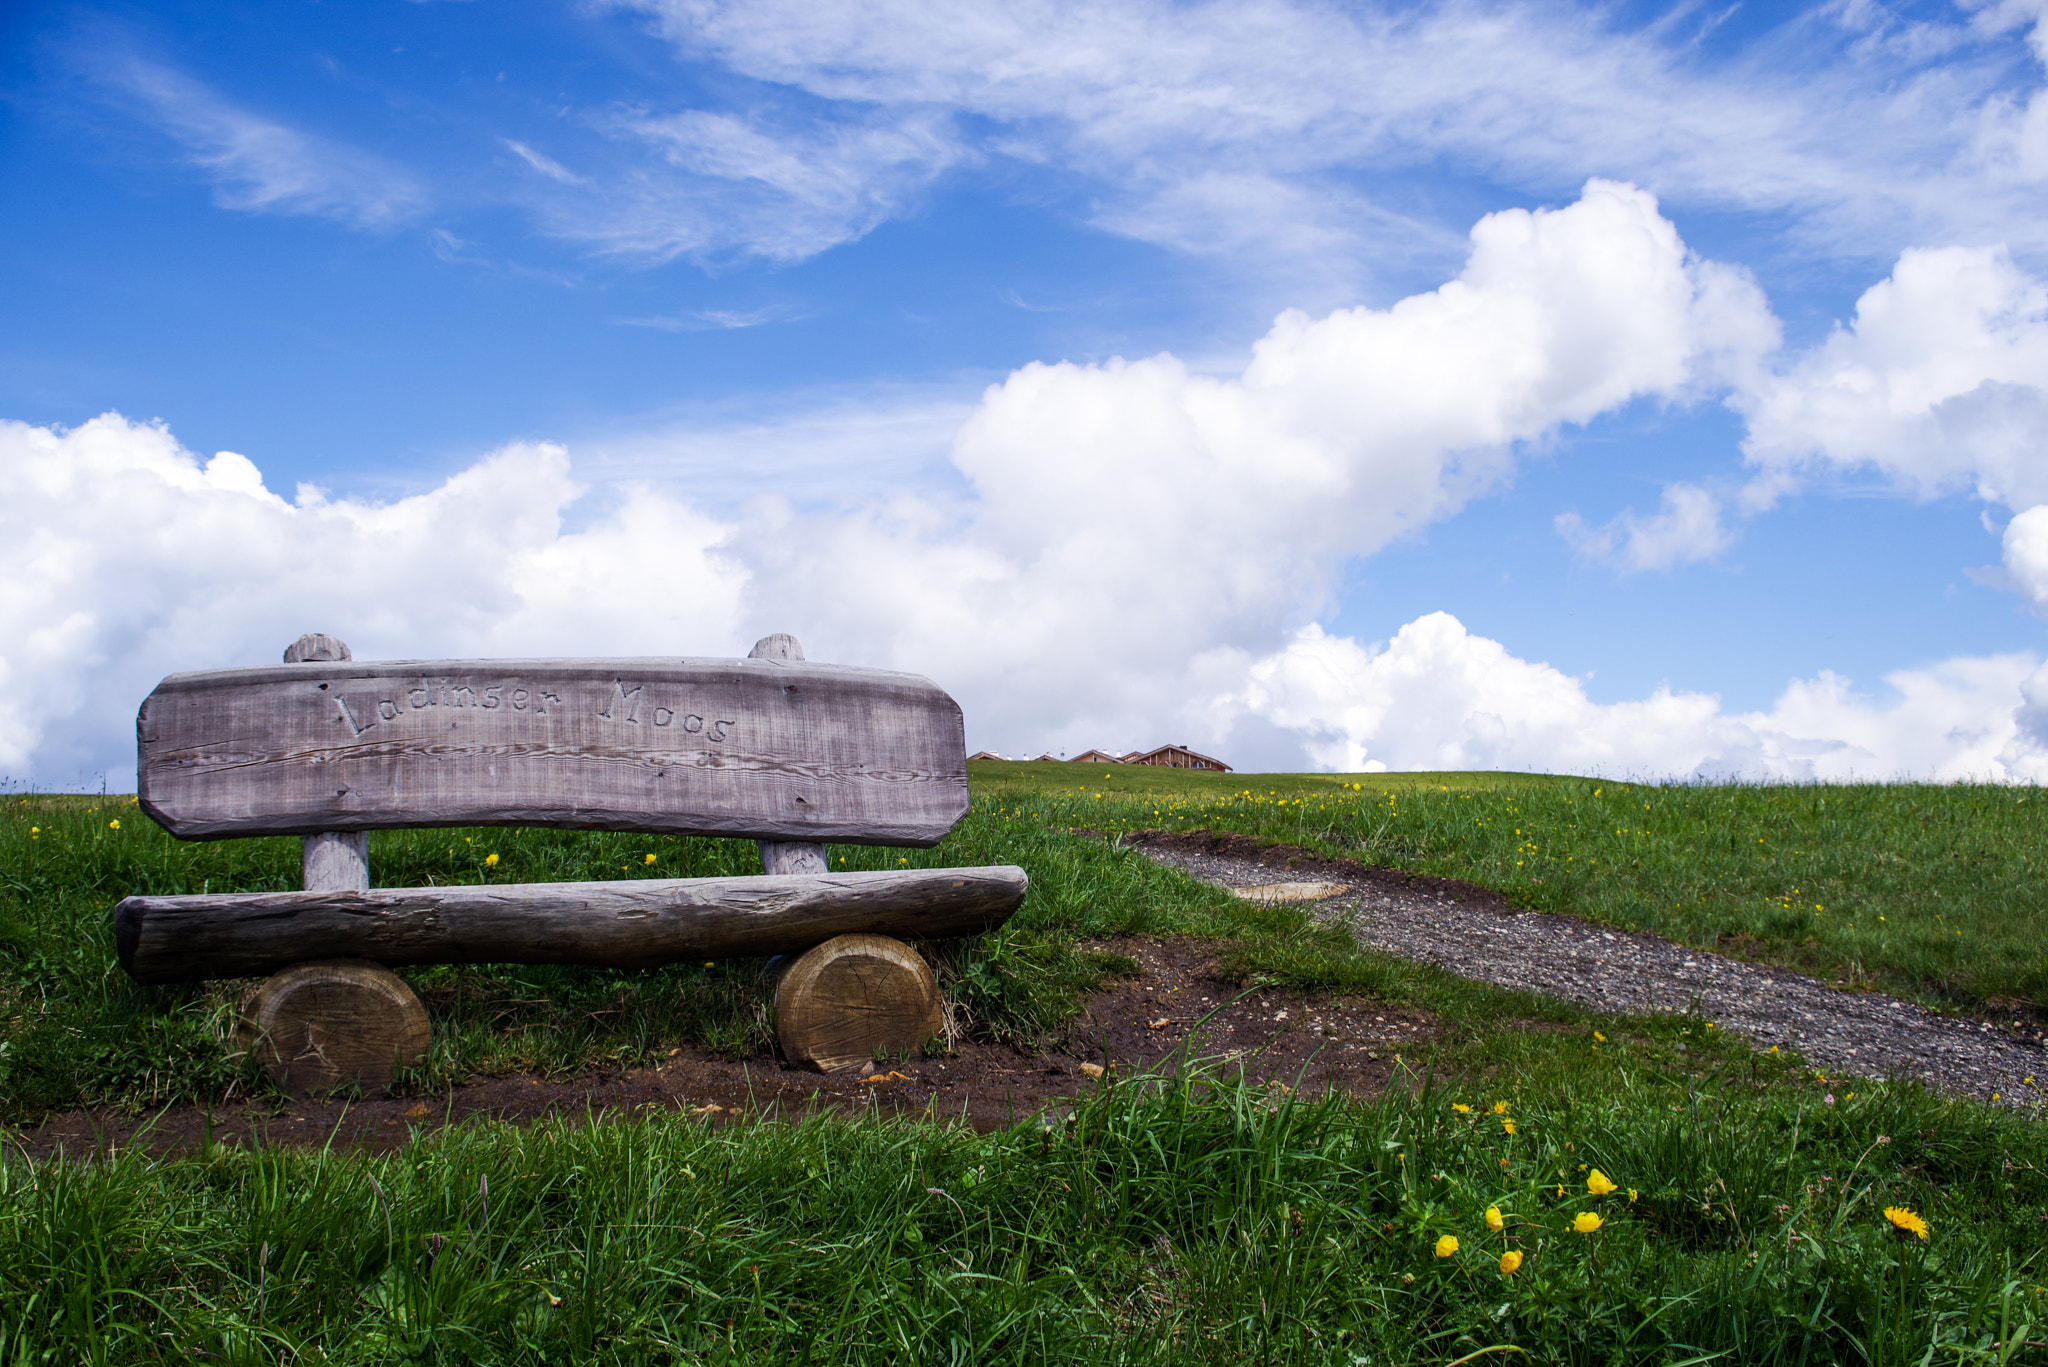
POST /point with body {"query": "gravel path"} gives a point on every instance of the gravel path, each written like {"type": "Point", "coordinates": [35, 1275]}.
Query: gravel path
{"type": "Point", "coordinates": [1478, 934]}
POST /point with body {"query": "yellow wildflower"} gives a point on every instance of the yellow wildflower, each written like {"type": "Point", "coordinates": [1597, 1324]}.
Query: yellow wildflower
{"type": "Point", "coordinates": [1493, 1220]}
{"type": "Point", "coordinates": [1598, 1036]}
{"type": "Point", "coordinates": [1500, 1108]}
{"type": "Point", "coordinates": [1597, 1183]}
{"type": "Point", "coordinates": [1631, 1195]}
{"type": "Point", "coordinates": [1509, 1261]}
{"type": "Point", "coordinates": [35, 833]}
{"type": "Point", "coordinates": [1446, 1246]}
{"type": "Point", "coordinates": [491, 860]}
{"type": "Point", "coordinates": [114, 825]}
{"type": "Point", "coordinates": [1586, 1222]}
{"type": "Point", "coordinates": [1906, 1221]}
{"type": "Point", "coordinates": [1507, 1126]}
{"type": "Point", "coordinates": [1461, 1108]}
{"type": "Point", "coordinates": [1560, 1191]}
{"type": "Point", "coordinates": [650, 859]}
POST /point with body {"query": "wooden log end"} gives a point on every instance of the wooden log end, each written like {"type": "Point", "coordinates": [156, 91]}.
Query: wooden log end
{"type": "Point", "coordinates": [855, 996]}
{"type": "Point", "coordinates": [334, 1023]}
{"type": "Point", "coordinates": [316, 646]}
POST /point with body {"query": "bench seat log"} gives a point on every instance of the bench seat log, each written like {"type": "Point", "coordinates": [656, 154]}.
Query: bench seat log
{"type": "Point", "coordinates": [629, 923]}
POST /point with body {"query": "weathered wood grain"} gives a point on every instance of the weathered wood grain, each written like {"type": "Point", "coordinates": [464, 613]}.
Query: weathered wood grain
{"type": "Point", "coordinates": [317, 1026]}
{"type": "Point", "coordinates": [336, 861]}
{"type": "Point", "coordinates": [771, 749]}
{"type": "Point", "coordinates": [842, 1002]}
{"type": "Point", "coordinates": [315, 646]}
{"type": "Point", "coordinates": [792, 856]}
{"type": "Point", "coordinates": [780, 646]}
{"type": "Point", "coordinates": [624, 924]}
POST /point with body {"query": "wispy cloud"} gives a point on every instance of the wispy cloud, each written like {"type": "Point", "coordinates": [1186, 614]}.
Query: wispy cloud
{"type": "Point", "coordinates": [706, 320]}
{"type": "Point", "coordinates": [259, 165]}
{"type": "Point", "coordinates": [1240, 127]}
{"type": "Point", "coordinates": [546, 165]}
{"type": "Point", "coordinates": [721, 187]}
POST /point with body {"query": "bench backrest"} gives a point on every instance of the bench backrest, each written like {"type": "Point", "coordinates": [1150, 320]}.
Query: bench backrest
{"type": "Point", "coordinates": [771, 749]}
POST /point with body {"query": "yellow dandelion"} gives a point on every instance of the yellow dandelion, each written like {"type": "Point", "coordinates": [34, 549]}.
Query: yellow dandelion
{"type": "Point", "coordinates": [1906, 1221]}
{"type": "Point", "coordinates": [491, 860]}
{"type": "Point", "coordinates": [1507, 1126]}
{"type": "Point", "coordinates": [649, 859]}
{"type": "Point", "coordinates": [1586, 1222]}
{"type": "Point", "coordinates": [1597, 1183]}
{"type": "Point", "coordinates": [1493, 1220]}
{"type": "Point", "coordinates": [1598, 1036]}
{"type": "Point", "coordinates": [114, 825]}
{"type": "Point", "coordinates": [1446, 1246]}
{"type": "Point", "coordinates": [1500, 1108]}
{"type": "Point", "coordinates": [1461, 1108]}
{"type": "Point", "coordinates": [1509, 1261]}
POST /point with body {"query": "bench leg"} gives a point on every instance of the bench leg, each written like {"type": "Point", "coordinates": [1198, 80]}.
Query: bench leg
{"type": "Point", "coordinates": [332, 1022]}
{"type": "Point", "coordinates": [842, 1002]}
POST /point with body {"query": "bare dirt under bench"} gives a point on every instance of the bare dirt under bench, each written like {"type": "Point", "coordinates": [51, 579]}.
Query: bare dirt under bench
{"type": "Point", "coordinates": [1312, 1041]}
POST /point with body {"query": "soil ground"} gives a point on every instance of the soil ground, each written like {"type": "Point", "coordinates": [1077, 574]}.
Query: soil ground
{"type": "Point", "coordinates": [1178, 1003]}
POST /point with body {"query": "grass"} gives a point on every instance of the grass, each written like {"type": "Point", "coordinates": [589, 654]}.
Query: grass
{"type": "Point", "coordinates": [1932, 890]}
{"type": "Point", "coordinates": [1195, 1221]}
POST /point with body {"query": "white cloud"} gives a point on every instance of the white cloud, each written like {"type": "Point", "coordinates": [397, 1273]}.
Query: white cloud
{"type": "Point", "coordinates": [1939, 384]}
{"type": "Point", "coordinates": [2026, 557]}
{"type": "Point", "coordinates": [1131, 524]}
{"type": "Point", "coordinates": [1130, 548]}
{"type": "Point", "coordinates": [545, 164]}
{"type": "Point", "coordinates": [1688, 528]}
{"type": "Point", "coordinates": [1437, 697]}
{"type": "Point", "coordinates": [726, 186]}
{"type": "Point", "coordinates": [262, 166]}
{"type": "Point", "coordinates": [1243, 126]}
{"type": "Point", "coordinates": [126, 559]}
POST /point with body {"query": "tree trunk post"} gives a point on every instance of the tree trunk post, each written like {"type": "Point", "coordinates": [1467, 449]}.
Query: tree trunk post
{"type": "Point", "coordinates": [329, 1023]}
{"type": "Point", "coordinates": [840, 1003]}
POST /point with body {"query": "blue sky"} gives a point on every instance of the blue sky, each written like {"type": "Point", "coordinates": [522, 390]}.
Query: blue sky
{"type": "Point", "coordinates": [1658, 389]}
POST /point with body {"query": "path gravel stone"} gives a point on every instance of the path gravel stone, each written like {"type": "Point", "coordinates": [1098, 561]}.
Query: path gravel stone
{"type": "Point", "coordinates": [1478, 934]}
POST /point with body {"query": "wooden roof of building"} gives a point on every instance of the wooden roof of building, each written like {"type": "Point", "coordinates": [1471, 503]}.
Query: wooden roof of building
{"type": "Point", "coordinates": [1179, 757]}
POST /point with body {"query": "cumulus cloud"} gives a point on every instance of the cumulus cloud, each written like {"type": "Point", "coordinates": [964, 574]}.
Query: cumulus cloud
{"type": "Point", "coordinates": [1133, 523]}
{"type": "Point", "coordinates": [1127, 546]}
{"type": "Point", "coordinates": [127, 558]}
{"type": "Point", "coordinates": [1939, 384]}
{"type": "Point", "coordinates": [1688, 528]}
{"type": "Point", "coordinates": [1437, 697]}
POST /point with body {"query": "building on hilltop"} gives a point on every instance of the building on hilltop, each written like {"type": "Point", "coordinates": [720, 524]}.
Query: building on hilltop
{"type": "Point", "coordinates": [1097, 757]}
{"type": "Point", "coordinates": [986, 754]}
{"type": "Point", "coordinates": [1179, 757]}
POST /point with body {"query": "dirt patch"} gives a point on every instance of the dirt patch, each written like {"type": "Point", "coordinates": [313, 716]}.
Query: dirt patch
{"type": "Point", "coordinates": [1178, 1004]}
{"type": "Point", "coordinates": [1228, 851]}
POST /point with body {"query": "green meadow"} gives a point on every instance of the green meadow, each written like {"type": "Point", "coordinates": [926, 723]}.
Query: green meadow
{"type": "Point", "coordinates": [1192, 1219]}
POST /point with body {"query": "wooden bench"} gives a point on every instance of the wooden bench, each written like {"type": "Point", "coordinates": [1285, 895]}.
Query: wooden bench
{"type": "Point", "coordinates": [787, 753]}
